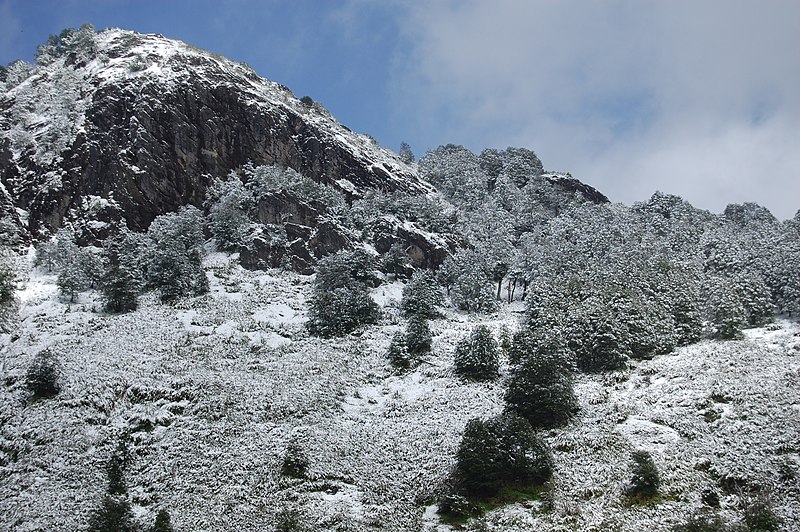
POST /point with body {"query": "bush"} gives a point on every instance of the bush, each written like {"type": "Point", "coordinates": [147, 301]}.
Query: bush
{"type": "Point", "coordinates": [421, 296]}
{"type": "Point", "coordinates": [341, 302]}
{"type": "Point", "coordinates": [113, 515]}
{"type": "Point", "coordinates": [645, 480]}
{"type": "Point", "coordinates": [477, 356]}
{"type": "Point", "coordinates": [307, 100]}
{"type": "Point", "coordinates": [163, 522]}
{"type": "Point", "coordinates": [7, 282]}
{"type": "Point", "coordinates": [702, 522]}
{"type": "Point", "coordinates": [341, 311]}
{"type": "Point", "coordinates": [42, 376]}
{"type": "Point", "coordinates": [295, 461]}
{"type": "Point", "coordinates": [501, 451]}
{"type": "Point", "coordinates": [758, 513]}
{"type": "Point", "coordinates": [398, 354]}
{"type": "Point", "coordinates": [541, 385]}
{"type": "Point", "coordinates": [418, 337]}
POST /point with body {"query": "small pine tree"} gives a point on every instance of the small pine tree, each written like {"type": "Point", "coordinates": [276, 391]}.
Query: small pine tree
{"type": "Point", "coordinates": [295, 461]}
{"type": "Point", "coordinates": [7, 280]}
{"type": "Point", "coordinates": [113, 515]}
{"type": "Point", "coordinates": [421, 296]}
{"type": "Point", "coordinates": [541, 385]}
{"type": "Point", "coordinates": [163, 522]}
{"type": "Point", "coordinates": [418, 337]}
{"type": "Point", "coordinates": [42, 376]}
{"type": "Point", "coordinates": [477, 356]}
{"type": "Point", "coordinates": [406, 155]}
{"type": "Point", "coordinates": [645, 479]}
{"type": "Point", "coordinates": [120, 288]}
{"type": "Point", "coordinates": [501, 451]}
{"type": "Point", "coordinates": [398, 354]}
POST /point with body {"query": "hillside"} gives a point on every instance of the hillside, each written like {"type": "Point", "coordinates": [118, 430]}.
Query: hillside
{"type": "Point", "coordinates": [213, 390]}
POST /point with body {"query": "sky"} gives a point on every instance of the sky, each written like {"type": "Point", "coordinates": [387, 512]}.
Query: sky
{"type": "Point", "coordinates": [697, 98]}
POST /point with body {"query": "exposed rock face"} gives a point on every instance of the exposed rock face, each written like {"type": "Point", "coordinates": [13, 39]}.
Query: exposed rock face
{"type": "Point", "coordinates": [158, 119]}
{"type": "Point", "coordinates": [569, 183]}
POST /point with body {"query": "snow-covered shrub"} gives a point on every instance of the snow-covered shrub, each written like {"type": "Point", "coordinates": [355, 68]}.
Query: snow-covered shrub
{"type": "Point", "coordinates": [42, 376]}
{"type": "Point", "coordinates": [163, 522]}
{"type": "Point", "coordinates": [398, 354]}
{"type": "Point", "coordinates": [541, 385]}
{"type": "Point", "coordinates": [228, 203]}
{"type": "Point", "coordinates": [645, 480]}
{"type": "Point", "coordinates": [597, 338]}
{"type": "Point", "coordinates": [7, 278]}
{"type": "Point", "coordinates": [340, 301]}
{"type": "Point", "coordinates": [477, 356]}
{"type": "Point", "coordinates": [758, 513]}
{"type": "Point", "coordinates": [421, 296]}
{"type": "Point", "coordinates": [501, 451]}
{"type": "Point", "coordinates": [174, 254]}
{"type": "Point", "coordinates": [703, 521]}
{"type": "Point", "coordinates": [418, 336]}
{"type": "Point", "coordinates": [295, 461]}
{"type": "Point", "coordinates": [113, 515]}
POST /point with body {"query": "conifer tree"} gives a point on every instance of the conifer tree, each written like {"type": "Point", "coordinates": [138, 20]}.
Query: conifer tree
{"type": "Point", "coordinates": [42, 376]}
{"type": "Point", "coordinates": [477, 356]}
{"type": "Point", "coordinates": [421, 296]}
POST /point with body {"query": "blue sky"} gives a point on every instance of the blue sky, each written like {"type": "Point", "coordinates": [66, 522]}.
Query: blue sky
{"type": "Point", "coordinates": [698, 98]}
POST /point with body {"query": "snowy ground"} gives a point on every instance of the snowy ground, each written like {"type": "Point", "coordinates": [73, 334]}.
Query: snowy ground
{"type": "Point", "coordinates": [213, 389]}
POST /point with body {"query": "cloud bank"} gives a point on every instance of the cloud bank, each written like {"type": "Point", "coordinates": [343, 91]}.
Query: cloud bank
{"type": "Point", "coordinates": [700, 99]}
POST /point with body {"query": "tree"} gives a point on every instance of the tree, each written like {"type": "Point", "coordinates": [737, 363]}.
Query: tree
{"type": "Point", "coordinates": [7, 278]}
{"type": "Point", "coordinates": [471, 288]}
{"type": "Point", "coordinates": [340, 301]}
{"type": "Point", "coordinates": [645, 479]}
{"type": "Point", "coordinates": [418, 337]}
{"type": "Point", "coordinates": [163, 522]}
{"type": "Point", "coordinates": [398, 354]}
{"type": "Point", "coordinates": [421, 296]}
{"type": "Point", "coordinates": [501, 451]}
{"type": "Point", "coordinates": [174, 254]}
{"type": "Point", "coordinates": [295, 461]}
{"type": "Point", "coordinates": [477, 357]}
{"type": "Point", "coordinates": [42, 376]}
{"type": "Point", "coordinates": [121, 281]}
{"type": "Point", "coordinates": [406, 155]}
{"type": "Point", "coordinates": [228, 202]}
{"type": "Point", "coordinates": [113, 515]}
{"type": "Point", "coordinates": [541, 385]}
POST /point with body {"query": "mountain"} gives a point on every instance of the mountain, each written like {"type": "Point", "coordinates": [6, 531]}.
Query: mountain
{"type": "Point", "coordinates": [144, 122]}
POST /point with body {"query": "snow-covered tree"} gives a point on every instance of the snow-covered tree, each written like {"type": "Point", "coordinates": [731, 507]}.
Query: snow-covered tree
{"type": "Point", "coordinates": [42, 376]}
{"type": "Point", "coordinates": [406, 155]}
{"type": "Point", "coordinates": [501, 451]}
{"type": "Point", "coordinates": [341, 302]}
{"type": "Point", "coordinates": [229, 202]}
{"type": "Point", "coordinates": [470, 285]}
{"type": "Point", "coordinates": [418, 336]}
{"type": "Point", "coordinates": [477, 356]}
{"type": "Point", "coordinates": [174, 254]}
{"type": "Point", "coordinates": [541, 385]}
{"type": "Point", "coordinates": [421, 296]}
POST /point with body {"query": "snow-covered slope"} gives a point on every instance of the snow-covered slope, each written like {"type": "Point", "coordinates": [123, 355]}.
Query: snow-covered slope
{"type": "Point", "coordinates": [210, 393]}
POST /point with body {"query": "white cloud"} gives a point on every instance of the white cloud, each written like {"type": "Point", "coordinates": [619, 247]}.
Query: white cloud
{"type": "Point", "coordinates": [700, 99]}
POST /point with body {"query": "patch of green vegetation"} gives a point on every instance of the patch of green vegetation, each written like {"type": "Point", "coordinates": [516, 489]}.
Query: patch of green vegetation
{"type": "Point", "coordinates": [472, 507]}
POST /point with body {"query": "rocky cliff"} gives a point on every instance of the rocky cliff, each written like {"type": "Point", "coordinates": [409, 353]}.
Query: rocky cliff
{"type": "Point", "coordinates": [139, 124]}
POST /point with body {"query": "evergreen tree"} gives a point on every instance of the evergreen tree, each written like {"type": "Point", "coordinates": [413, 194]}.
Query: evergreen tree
{"type": "Point", "coordinates": [645, 479]}
{"type": "Point", "coordinates": [113, 515]}
{"type": "Point", "coordinates": [42, 376]}
{"type": "Point", "coordinates": [501, 451]}
{"type": "Point", "coordinates": [295, 462]}
{"type": "Point", "coordinates": [228, 202]}
{"type": "Point", "coordinates": [163, 522]}
{"type": "Point", "coordinates": [398, 354]}
{"type": "Point", "coordinates": [340, 302]}
{"type": "Point", "coordinates": [421, 296]}
{"type": "Point", "coordinates": [477, 356]}
{"type": "Point", "coordinates": [471, 288]}
{"type": "Point", "coordinates": [174, 254]}
{"type": "Point", "coordinates": [541, 385]}
{"type": "Point", "coordinates": [7, 278]}
{"type": "Point", "coordinates": [418, 337]}
{"type": "Point", "coordinates": [406, 155]}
